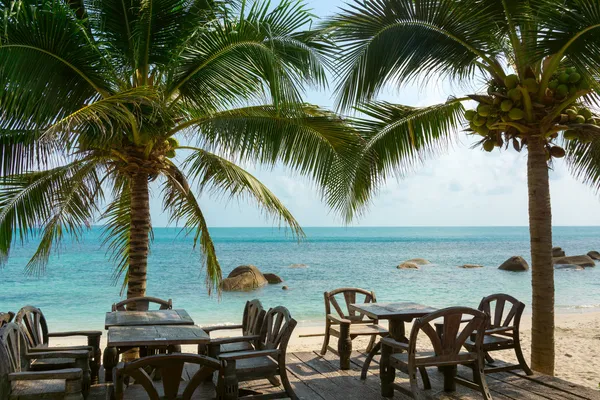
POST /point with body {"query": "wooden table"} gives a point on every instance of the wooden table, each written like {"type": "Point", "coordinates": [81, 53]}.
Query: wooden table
{"type": "Point", "coordinates": [144, 318]}
{"type": "Point", "coordinates": [123, 338]}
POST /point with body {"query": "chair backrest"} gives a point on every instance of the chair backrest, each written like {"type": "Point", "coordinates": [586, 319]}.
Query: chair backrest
{"type": "Point", "coordinates": [6, 317]}
{"type": "Point", "coordinates": [254, 314]}
{"type": "Point", "coordinates": [277, 329]}
{"type": "Point", "coordinates": [142, 304]}
{"type": "Point", "coordinates": [347, 296]}
{"type": "Point", "coordinates": [453, 336]}
{"type": "Point", "coordinates": [10, 349]}
{"type": "Point", "coordinates": [34, 326]}
{"type": "Point", "coordinates": [501, 316]}
{"type": "Point", "coordinates": [170, 367]}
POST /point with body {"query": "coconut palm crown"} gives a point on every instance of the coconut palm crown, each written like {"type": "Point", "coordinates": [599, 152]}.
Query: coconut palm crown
{"type": "Point", "coordinates": [536, 63]}
{"type": "Point", "coordinates": [96, 97]}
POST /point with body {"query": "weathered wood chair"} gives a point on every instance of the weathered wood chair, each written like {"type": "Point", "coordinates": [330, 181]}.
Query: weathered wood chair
{"type": "Point", "coordinates": [35, 329]}
{"type": "Point", "coordinates": [170, 367]}
{"type": "Point", "coordinates": [265, 362]}
{"type": "Point", "coordinates": [446, 353]}
{"type": "Point", "coordinates": [17, 381]}
{"type": "Point", "coordinates": [346, 324]}
{"type": "Point", "coordinates": [252, 321]}
{"type": "Point", "coordinates": [6, 317]}
{"type": "Point", "coordinates": [502, 331]}
{"type": "Point", "coordinates": [142, 304]}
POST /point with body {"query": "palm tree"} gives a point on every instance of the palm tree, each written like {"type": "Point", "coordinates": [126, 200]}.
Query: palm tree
{"type": "Point", "coordinates": [536, 64]}
{"type": "Point", "coordinates": [96, 95]}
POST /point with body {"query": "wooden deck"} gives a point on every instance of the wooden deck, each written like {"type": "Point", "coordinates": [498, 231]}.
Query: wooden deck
{"type": "Point", "coordinates": [316, 377]}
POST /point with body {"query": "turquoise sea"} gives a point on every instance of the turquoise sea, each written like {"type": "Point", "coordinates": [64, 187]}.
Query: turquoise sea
{"type": "Point", "coordinates": [77, 288]}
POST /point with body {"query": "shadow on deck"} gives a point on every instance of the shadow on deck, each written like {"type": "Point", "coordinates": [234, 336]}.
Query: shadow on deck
{"type": "Point", "coordinates": [318, 377]}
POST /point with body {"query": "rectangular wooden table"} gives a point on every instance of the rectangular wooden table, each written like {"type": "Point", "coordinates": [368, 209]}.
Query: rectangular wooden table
{"type": "Point", "coordinates": [144, 318]}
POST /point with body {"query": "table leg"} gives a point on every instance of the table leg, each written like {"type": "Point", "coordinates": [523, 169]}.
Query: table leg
{"type": "Point", "coordinates": [110, 360]}
{"type": "Point", "coordinates": [387, 373]}
{"type": "Point", "coordinates": [449, 375]}
{"type": "Point", "coordinates": [94, 342]}
{"type": "Point", "coordinates": [397, 330]}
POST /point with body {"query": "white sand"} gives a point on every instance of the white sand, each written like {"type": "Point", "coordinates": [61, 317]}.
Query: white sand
{"type": "Point", "coordinates": [577, 345]}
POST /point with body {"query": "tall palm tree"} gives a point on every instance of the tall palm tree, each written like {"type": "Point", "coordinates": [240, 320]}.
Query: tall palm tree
{"type": "Point", "coordinates": [96, 94]}
{"type": "Point", "coordinates": [536, 64]}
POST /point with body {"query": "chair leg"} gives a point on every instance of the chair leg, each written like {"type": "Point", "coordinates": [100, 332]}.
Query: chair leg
{"type": "Point", "coordinates": [425, 377]}
{"type": "Point", "coordinates": [489, 359]}
{"type": "Point", "coordinates": [414, 384]}
{"type": "Point", "coordinates": [286, 383]}
{"type": "Point", "coordinates": [273, 380]}
{"type": "Point", "coordinates": [479, 376]}
{"type": "Point", "coordinates": [371, 343]}
{"type": "Point", "coordinates": [521, 358]}
{"type": "Point", "coordinates": [325, 340]}
{"type": "Point", "coordinates": [367, 363]}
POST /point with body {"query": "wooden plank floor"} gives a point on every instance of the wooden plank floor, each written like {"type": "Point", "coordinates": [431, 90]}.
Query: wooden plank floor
{"type": "Point", "coordinates": [318, 377]}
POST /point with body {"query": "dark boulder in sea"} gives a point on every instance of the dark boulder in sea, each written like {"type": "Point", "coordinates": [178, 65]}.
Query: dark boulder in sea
{"type": "Point", "coordinates": [569, 266]}
{"type": "Point", "coordinates": [408, 265]}
{"type": "Point", "coordinates": [583, 261]}
{"type": "Point", "coordinates": [284, 287]}
{"type": "Point", "coordinates": [244, 277]}
{"type": "Point", "coordinates": [470, 266]}
{"type": "Point", "coordinates": [594, 254]}
{"type": "Point", "coordinates": [558, 252]}
{"type": "Point", "coordinates": [418, 261]}
{"type": "Point", "coordinates": [516, 263]}
{"type": "Point", "coordinates": [272, 278]}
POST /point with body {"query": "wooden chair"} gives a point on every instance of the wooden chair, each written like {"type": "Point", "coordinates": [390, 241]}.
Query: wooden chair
{"type": "Point", "coordinates": [502, 331]}
{"type": "Point", "coordinates": [446, 353]}
{"type": "Point", "coordinates": [33, 323]}
{"type": "Point", "coordinates": [142, 304]}
{"type": "Point", "coordinates": [6, 317]}
{"type": "Point", "coordinates": [170, 367]}
{"type": "Point", "coordinates": [346, 324]}
{"type": "Point", "coordinates": [265, 362]}
{"type": "Point", "coordinates": [17, 381]}
{"type": "Point", "coordinates": [252, 321]}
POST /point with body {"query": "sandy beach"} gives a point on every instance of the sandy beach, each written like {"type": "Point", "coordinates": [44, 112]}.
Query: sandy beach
{"type": "Point", "coordinates": [577, 345]}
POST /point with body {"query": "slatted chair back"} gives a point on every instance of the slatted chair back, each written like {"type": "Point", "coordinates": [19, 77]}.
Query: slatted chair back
{"type": "Point", "coordinates": [504, 311]}
{"type": "Point", "coordinates": [142, 304]}
{"type": "Point", "coordinates": [170, 367]}
{"type": "Point", "coordinates": [6, 317]}
{"type": "Point", "coordinates": [254, 314]}
{"type": "Point", "coordinates": [277, 329]}
{"type": "Point", "coordinates": [34, 326]}
{"type": "Point", "coordinates": [453, 336]}
{"type": "Point", "coordinates": [340, 299]}
{"type": "Point", "coordinates": [10, 356]}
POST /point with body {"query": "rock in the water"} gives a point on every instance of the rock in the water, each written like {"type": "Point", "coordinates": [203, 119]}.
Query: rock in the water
{"type": "Point", "coordinates": [558, 252]}
{"type": "Point", "coordinates": [298, 266]}
{"type": "Point", "coordinates": [244, 277]}
{"type": "Point", "coordinates": [272, 278]}
{"type": "Point", "coordinates": [569, 266]}
{"type": "Point", "coordinates": [516, 263]}
{"type": "Point", "coordinates": [408, 265]}
{"type": "Point", "coordinates": [418, 261]}
{"type": "Point", "coordinates": [470, 266]}
{"type": "Point", "coordinates": [584, 261]}
{"type": "Point", "coordinates": [284, 287]}
{"type": "Point", "coordinates": [594, 254]}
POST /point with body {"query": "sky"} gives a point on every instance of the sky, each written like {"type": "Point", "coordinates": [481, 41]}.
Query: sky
{"type": "Point", "coordinates": [464, 187]}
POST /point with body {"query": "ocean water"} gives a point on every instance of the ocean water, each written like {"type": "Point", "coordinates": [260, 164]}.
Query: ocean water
{"type": "Point", "coordinates": [77, 288]}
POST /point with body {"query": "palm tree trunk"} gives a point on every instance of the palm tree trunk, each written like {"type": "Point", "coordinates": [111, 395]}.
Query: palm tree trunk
{"type": "Point", "coordinates": [542, 280]}
{"type": "Point", "coordinates": [139, 240]}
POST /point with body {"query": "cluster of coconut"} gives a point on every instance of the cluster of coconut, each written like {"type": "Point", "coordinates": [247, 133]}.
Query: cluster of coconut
{"type": "Point", "coordinates": [171, 144]}
{"type": "Point", "coordinates": [498, 117]}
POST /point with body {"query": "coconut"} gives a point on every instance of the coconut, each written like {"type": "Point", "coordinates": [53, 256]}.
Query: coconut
{"type": "Point", "coordinates": [470, 114]}
{"type": "Point", "coordinates": [586, 113]}
{"type": "Point", "coordinates": [580, 119]}
{"type": "Point", "coordinates": [491, 122]}
{"type": "Point", "coordinates": [484, 110]}
{"type": "Point", "coordinates": [562, 90]}
{"type": "Point", "coordinates": [531, 85]}
{"type": "Point", "coordinates": [570, 135]}
{"type": "Point", "coordinates": [515, 94]}
{"type": "Point", "coordinates": [563, 77]}
{"type": "Point", "coordinates": [574, 77]}
{"type": "Point", "coordinates": [173, 142]}
{"type": "Point", "coordinates": [511, 81]}
{"type": "Point", "coordinates": [553, 84]}
{"type": "Point", "coordinates": [482, 130]}
{"type": "Point", "coordinates": [170, 154]}
{"type": "Point", "coordinates": [506, 105]}
{"type": "Point", "coordinates": [571, 70]}
{"type": "Point", "coordinates": [488, 145]}
{"type": "Point", "coordinates": [479, 121]}
{"type": "Point", "coordinates": [516, 114]}
{"type": "Point", "coordinates": [497, 101]}
{"type": "Point", "coordinates": [557, 152]}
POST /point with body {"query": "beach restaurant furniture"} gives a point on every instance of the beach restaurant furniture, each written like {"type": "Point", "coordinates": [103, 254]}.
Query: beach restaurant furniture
{"type": "Point", "coordinates": [252, 320]}
{"type": "Point", "coordinates": [18, 382]}
{"type": "Point", "coordinates": [397, 314]}
{"type": "Point", "coordinates": [267, 361]}
{"type": "Point", "coordinates": [170, 367]}
{"type": "Point", "coordinates": [142, 304]}
{"type": "Point", "coordinates": [33, 323]}
{"type": "Point", "coordinates": [502, 331]}
{"type": "Point", "coordinates": [6, 317]}
{"type": "Point", "coordinates": [348, 323]}
{"type": "Point", "coordinates": [446, 353]}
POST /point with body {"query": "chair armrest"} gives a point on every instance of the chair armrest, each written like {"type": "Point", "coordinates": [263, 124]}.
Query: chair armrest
{"type": "Point", "coordinates": [338, 320]}
{"type": "Point", "coordinates": [75, 333]}
{"type": "Point", "coordinates": [234, 339]}
{"type": "Point", "coordinates": [58, 354]}
{"type": "Point", "coordinates": [209, 329]}
{"type": "Point", "coordinates": [394, 343]}
{"type": "Point", "coordinates": [68, 373]}
{"type": "Point", "coordinates": [501, 329]}
{"type": "Point", "coordinates": [59, 349]}
{"type": "Point", "coordinates": [240, 355]}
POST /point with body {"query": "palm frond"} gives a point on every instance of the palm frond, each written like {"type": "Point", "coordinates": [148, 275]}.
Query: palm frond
{"type": "Point", "coordinates": [583, 158]}
{"type": "Point", "coordinates": [182, 205]}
